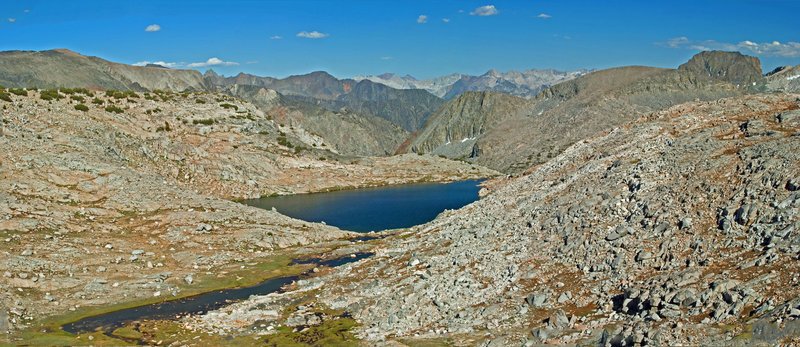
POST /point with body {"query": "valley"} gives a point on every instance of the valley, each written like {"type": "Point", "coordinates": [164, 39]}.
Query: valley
{"type": "Point", "coordinates": [625, 206]}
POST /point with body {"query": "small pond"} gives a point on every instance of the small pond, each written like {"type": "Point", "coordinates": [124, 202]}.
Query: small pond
{"type": "Point", "coordinates": [375, 209]}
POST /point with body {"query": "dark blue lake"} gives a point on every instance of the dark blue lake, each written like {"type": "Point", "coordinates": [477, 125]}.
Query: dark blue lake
{"type": "Point", "coordinates": [375, 209]}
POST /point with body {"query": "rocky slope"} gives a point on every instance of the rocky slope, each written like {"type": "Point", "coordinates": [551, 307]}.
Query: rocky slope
{"type": "Point", "coordinates": [678, 228]}
{"type": "Point", "coordinates": [733, 67]}
{"type": "Point", "coordinates": [124, 199]}
{"type": "Point", "coordinates": [407, 108]}
{"type": "Point", "coordinates": [63, 68]}
{"type": "Point", "coordinates": [456, 126]}
{"type": "Point", "coordinates": [522, 134]}
{"type": "Point", "coordinates": [524, 84]}
{"type": "Point", "coordinates": [346, 132]}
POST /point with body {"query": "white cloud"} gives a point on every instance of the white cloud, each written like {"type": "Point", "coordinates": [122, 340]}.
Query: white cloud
{"type": "Point", "coordinates": [276, 37]}
{"type": "Point", "coordinates": [210, 62]}
{"type": "Point", "coordinates": [213, 62]}
{"type": "Point", "coordinates": [446, 20]}
{"type": "Point", "coordinates": [12, 20]}
{"type": "Point", "coordinates": [153, 27]}
{"type": "Point", "coordinates": [252, 62]}
{"type": "Point", "coordinates": [544, 15]}
{"type": "Point", "coordinates": [27, 11]}
{"type": "Point", "coordinates": [312, 35]}
{"type": "Point", "coordinates": [768, 49]}
{"type": "Point", "coordinates": [422, 19]}
{"type": "Point", "coordinates": [386, 58]}
{"type": "Point", "coordinates": [487, 10]}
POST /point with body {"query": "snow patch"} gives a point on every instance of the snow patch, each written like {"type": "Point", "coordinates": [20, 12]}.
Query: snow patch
{"type": "Point", "coordinates": [792, 77]}
{"type": "Point", "coordinates": [467, 139]}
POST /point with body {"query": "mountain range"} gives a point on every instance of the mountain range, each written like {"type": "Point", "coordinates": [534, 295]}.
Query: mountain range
{"type": "Point", "coordinates": [501, 120]}
{"type": "Point", "coordinates": [525, 84]}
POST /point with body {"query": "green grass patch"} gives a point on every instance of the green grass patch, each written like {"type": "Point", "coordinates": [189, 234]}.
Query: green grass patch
{"type": "Point", "coordinates": [128, 333]}
{"type": "Point", "coordinates": [331, 333]}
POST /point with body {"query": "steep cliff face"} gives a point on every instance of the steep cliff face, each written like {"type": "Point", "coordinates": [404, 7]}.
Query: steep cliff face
{"type": "Point", "coordinates": [734, 67]}
{"type": "Point", "coordinates": [454, 129]}
{"type": "Point", "coordinates": [525, 133]}
{"type": "Point", "coordinates": [63, 68]}
{"type": "Point", "coordinates": [406, 108]}
{"type": "Point", "coordinates": [346, 132]}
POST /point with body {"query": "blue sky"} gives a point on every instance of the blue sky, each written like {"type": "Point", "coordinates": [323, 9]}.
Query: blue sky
{"type": "Point", "coordinates": [346, 38]}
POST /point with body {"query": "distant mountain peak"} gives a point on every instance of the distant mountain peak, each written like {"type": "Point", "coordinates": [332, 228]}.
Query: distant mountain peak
{"type": "Point", "coordinates": [524, 84]}
{"type": "Point", "coordinates": [733, 67]}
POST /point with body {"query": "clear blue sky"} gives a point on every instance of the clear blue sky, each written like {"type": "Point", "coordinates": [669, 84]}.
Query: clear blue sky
{"type": "Point", "coordinates": [346, 38]}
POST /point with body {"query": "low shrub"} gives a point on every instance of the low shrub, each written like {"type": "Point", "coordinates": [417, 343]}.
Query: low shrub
{"type": "Point", "coordinates": [82, 107]}
{"type": "Point", "coordinates": [116, 94]}
{"type": "Point", "coordinates": [164, 128]}
{"type": "Point", "coordinates": [50, 94]}
{"type": "Point", "coordinates": [284, 142]}
{"type": "Point", "coordinates": [229, 106]}
{"type": "Point", "coordinates": [207, 121]}
{"type": "Point", "coordinates": [114, 109]}
{"type": "Point", "coordinates": [18, 91]}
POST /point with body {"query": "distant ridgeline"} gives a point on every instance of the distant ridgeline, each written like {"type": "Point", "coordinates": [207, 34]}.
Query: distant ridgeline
{"type": "Point", "coordinates": [506, 121]}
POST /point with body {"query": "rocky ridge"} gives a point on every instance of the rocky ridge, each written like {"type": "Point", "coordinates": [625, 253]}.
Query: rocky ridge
{"type": "Point", "coordinates": [786, 79]}
{"type": "Point", "coordinates": [63, 68]}
{"type": "Point", "coordinates": [519, 134]}
{"type": "Point", "coordinates": [408, 109]}
{"type": "Point", "coordinates": [524, 84]}
{"type": "Point", "coordinates": [347, 132]}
